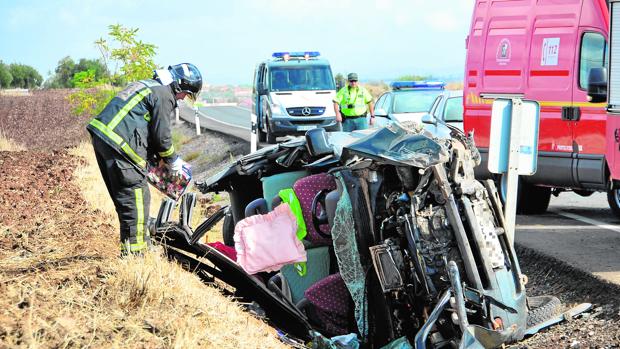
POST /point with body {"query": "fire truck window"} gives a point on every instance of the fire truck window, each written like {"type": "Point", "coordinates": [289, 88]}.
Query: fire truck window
{"type": "Point", "coordinates": [593, 47]}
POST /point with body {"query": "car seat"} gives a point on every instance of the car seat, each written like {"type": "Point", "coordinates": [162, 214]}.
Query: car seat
{"type": "Point", "coordinates": [273, 184]}
{"type": "Point", "coordinates": [331, 305]}
{"type": "Point", "coordinates": [322, 296]}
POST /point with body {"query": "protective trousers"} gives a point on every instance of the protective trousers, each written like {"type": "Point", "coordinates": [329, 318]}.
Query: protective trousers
{"type": "Point", "coordinates": [129, 191]}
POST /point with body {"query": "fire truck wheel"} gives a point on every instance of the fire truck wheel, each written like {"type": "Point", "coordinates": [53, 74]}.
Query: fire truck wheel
{"type": "Point", "coordinates": [613, 198]}
{"type": "Point", "coordinates": [534, 199]}
{"type": "Point", "coordinates": [531, 199]}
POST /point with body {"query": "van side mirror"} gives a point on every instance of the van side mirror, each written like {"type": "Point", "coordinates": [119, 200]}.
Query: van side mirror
{"type": "Point", "coordinates": [597, 85]}
{"type": "Point", "coordinates": [262, 90]}
{"type": "Point", "coordinates": [429, 119]}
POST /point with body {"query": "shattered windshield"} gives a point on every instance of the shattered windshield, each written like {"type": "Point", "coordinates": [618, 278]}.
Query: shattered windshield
{"type": "Point", "coordinates": [399, 146]}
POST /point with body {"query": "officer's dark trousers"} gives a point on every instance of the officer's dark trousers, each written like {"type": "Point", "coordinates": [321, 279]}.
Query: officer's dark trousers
{"type": "Point", "coordinates": [130, 193]}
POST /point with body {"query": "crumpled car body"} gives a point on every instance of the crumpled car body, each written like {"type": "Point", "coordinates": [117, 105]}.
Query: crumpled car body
{"type": "Point", "coordinates": [408, 246]}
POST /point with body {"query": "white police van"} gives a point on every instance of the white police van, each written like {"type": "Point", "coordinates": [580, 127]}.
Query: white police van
{"type": "Point", "coordinates": [293, 93]}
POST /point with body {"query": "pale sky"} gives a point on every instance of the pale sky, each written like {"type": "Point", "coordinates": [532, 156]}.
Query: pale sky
{"type": "Point", "coordinates": [378, 39]}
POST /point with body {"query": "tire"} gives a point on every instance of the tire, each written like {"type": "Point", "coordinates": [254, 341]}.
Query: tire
{"type": "Point", "coordinates": [228, 229]}
{"type": "Point", "coordinates": [531, 199]}
{"type": "Point", "coordinates": [542, 308]}
{"type": "Point", "coordinates": [271, 138]}
{"type": "Point", "coordinates": [262, 136]}
{"type": "Point", "coordinates": [535, 199]}
{"type": "Point", "coordinates": [613, 198]}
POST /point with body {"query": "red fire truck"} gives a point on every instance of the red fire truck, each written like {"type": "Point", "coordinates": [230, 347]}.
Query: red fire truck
{"type": "Point", "coordinates": [554, 52]}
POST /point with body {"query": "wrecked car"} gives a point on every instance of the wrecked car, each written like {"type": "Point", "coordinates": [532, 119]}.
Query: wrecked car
{"type": "Point", "coordinates": [401, 246]}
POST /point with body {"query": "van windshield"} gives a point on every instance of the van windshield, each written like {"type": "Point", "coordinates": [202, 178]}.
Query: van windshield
{"type": "Point", "coordinates": [414, 101]}
{"type": "Point", "coordinates": [301, 78]}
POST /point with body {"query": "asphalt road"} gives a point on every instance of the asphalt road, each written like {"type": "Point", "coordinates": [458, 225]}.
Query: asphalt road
{"type": "Point", "coordinates": [233, 121]}
{"type": "Point", "coordinates": [581, 231]}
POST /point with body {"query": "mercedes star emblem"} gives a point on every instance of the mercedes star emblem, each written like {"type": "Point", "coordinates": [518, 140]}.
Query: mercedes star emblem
{"type": "Point", "coordinates": [306, 111]}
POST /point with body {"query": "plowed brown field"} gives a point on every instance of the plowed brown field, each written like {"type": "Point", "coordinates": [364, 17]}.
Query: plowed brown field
{"type": "Point", "coordinates": [61, 281]}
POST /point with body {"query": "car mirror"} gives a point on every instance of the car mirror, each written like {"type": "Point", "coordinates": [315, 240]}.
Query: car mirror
{"type": "Point", "coordinates": [381, 112]}
{"type": "Point", "coordinates": [429, 119]}
{"type": "Point", "coordinates": [262, 90]}
{"type": "Point", "coordinates": [597, 85]}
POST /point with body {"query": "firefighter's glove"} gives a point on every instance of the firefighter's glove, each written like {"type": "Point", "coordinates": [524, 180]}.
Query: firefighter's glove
{"type": "Point", "coordinates": [180, 168]}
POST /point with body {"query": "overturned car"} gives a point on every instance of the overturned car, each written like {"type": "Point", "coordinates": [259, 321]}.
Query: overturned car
{"type": "Point", "coordinates": [393, 241]}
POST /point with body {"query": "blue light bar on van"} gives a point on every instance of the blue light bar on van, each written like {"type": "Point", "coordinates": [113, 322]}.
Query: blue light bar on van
{"type": "Point", "coordinates": [399, 85]}
{"type": "Point", "coordinates": [301, 54]}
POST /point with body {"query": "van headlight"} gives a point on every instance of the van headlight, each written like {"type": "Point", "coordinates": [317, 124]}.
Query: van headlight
{"type": "Point", "coordinates": [278, 109]}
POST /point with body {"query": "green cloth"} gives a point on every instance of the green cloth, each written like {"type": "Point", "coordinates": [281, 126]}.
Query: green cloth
{"type": "Point", "coordinates": [357, 97]}
{"type": "Point", "coordinates": [288, 196]}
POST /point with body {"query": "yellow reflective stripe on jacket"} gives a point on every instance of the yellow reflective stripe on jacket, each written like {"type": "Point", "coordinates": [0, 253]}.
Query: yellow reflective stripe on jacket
{"type": "Point", "coordinates": [125, 110]}
{"type": "Point", "coordinates": [133, 155]}
{"type": "Point", "coordinates": [165, 154]}
{"type": "Point", "coordinates": [106, 131]}
{"type": "Point", "coordinates": [140, 222]}
{"type": "Point", "coordinates": [118, 140]}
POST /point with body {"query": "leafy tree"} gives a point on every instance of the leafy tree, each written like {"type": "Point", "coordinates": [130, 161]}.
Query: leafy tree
{"type": "Point", "coordinates": [24, 76]}
{"type": "Point", "coordinates": [67, 69]}
{"type": "Point", "coordinates": [135, 56]}
{"type": "Point", "coordinates": [64, 73]}
{"type": "Point", "coordinates": [96, 65]}
{"type": "Point", "coordinates": [5, 76]}
{"type": "Point", "coordinates": [135, 59]}
{"type": "Point", "coordinates": [340, 81]}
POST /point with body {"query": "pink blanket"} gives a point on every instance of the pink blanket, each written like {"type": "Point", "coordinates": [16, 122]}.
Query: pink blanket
{"type": "Point", "coordinates": [268, 242]}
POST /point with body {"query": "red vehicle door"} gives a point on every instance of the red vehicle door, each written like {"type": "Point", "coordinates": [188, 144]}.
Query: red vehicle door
{"type": "Point", "coordinates": [550, 81]}
{"type": "Point", "coordinates": [590, 124]}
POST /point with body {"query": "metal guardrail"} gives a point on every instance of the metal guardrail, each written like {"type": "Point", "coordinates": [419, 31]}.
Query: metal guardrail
{"type": "Point", "coordinates": [210, 123]}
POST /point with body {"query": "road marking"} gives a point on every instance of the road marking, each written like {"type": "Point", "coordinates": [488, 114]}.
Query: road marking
{"type": "Point", "coordinates": [587, 220]}
{"type": "Point", "coordinates": [223, 122]}
{"type": "Point", "coordinates": [243, 108]}
{"type": "Point", "coordinates": [556, 227]}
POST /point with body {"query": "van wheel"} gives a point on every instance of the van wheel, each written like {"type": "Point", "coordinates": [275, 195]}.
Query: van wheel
{"type": "Point", "coordinates": [613, 198]}
{"type": "Point", "coordinates": [262, 136]}
{"type": "Point", "coordinates": [271, 138]}
{"type": "Point", "coordinates": [531, 199]}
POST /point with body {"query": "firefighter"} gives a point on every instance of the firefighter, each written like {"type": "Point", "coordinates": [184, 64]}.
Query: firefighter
{"type": "Point", "coordinates": [353, 104]}
{"type": "Point", "coordinates": [132, 129]}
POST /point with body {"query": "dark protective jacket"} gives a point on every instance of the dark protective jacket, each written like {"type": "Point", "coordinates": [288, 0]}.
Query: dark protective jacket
{"type": "Point", "coordinates": [136, 123]}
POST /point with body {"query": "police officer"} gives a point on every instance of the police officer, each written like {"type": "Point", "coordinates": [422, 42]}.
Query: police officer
{"type": "Point", "coordinates": [352, 106]}
{"type": "Point", "coordinates": [132, 129]}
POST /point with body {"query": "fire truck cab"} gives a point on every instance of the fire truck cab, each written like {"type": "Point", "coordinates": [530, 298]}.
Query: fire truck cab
{"type": "Point", "coordinates": [552, 52]}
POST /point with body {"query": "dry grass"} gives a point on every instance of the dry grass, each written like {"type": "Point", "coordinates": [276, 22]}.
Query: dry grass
{"type": "Point", "coordinates": [63, 286]}
{"type": "Point", "coordinates": [7, 144]}
{"type": "Point", "coordinates": [455, 85]}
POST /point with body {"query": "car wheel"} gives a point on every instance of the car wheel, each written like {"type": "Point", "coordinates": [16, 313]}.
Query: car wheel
{"type": "Point", "coordinates": [531, 199]}
{"type": "Point", "coordinates": [541, 308]}
{"type": "Point", "coordinates": [613, 198]}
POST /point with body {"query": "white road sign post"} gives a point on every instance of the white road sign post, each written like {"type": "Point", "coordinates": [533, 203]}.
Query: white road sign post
{"type": "Point", "coordinates": [513, 149]}
{"type": "Point", "coordinates": [197, 120]}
